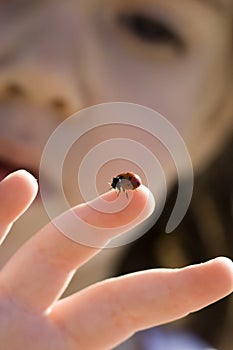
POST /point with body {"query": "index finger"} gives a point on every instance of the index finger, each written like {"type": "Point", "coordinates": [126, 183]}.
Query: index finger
{"type": "Point", "coordinates": [38, 273]}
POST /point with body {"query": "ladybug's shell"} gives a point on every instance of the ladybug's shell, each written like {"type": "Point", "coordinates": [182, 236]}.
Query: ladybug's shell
{"type": "Point", "coordinates": [133, 178]}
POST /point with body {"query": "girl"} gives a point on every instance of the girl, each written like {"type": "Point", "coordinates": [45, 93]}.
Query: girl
{"type": "Point", "coordinates": [59, 57]}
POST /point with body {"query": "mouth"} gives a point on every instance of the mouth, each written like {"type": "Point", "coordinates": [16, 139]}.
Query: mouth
{"type": "Point", "coordinates": [7, 168]}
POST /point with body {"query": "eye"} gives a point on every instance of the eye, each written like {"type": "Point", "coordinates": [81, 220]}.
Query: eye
{"type": "Point", "coordinates": [149, 30]}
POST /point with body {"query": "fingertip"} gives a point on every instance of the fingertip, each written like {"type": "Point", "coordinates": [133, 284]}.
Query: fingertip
{"type": "Point", "coordinates": [224, 261]}
{"type": "Point", "coordinates": [146, 198]}
{"type": "Point", "coordinates": [110, 210]}
{"type": "Point", "coordinates": [17, 191]}
{"type": "Point", "coordinates": [108, 217]}
{"type": "Point", "coordinates": [213, 279]}
{"type": "Point", "coordinates": [145, 193]}
{"type": "Point", "coordinates": [224, 267]}
{"type": "Point", "coordinates": [26, 184]}
{"type": "Point", "coordinates": [28, 180]}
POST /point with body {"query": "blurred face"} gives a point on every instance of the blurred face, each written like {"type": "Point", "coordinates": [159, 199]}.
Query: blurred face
{"type": "Point", "coordinates": [57, 57]}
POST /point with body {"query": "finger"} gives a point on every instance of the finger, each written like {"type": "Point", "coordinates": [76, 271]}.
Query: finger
{"type": "Point", "coordinates": [119, 307]}
{"type": "Point", "coordinates": [17, 191]}
{"type": "Point", "coordinates": [38, 273]}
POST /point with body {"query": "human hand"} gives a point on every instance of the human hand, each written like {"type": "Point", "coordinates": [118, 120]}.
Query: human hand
{"type": "Point", "coordinates": [104, 314]}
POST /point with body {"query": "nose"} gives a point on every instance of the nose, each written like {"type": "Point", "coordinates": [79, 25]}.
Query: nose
{"type": "Point", "coordinates": [46, 70]}
{"type": "Point", "coordinates": [54, 89]}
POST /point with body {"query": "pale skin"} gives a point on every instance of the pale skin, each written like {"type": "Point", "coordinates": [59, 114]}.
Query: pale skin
{"type": "Point", "coordinates": [31, 282]}
{"type": "Point", "coordinates": [78, 53]}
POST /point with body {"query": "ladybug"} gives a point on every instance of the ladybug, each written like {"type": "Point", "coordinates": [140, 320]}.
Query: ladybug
{"type": "Point", "coordinates": [124, 182]}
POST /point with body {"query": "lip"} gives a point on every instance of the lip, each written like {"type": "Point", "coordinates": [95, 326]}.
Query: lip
{"type": "Point", "coordinates": [18, 153]}
{"type": "Point", "coordinates": [17, 156]}
{"type": "Point", "coordinates": [14, 157]}
{"type": "Point", "coordinates": [7, 168]}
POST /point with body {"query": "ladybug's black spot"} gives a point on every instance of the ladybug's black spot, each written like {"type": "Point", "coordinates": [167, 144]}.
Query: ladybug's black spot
{"type": "Point", "coordinates": [120, 177]}
{"type": "Point", "coordinates": [138, 183]}
{"type": "Point", "coordinates": [130, 178]}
